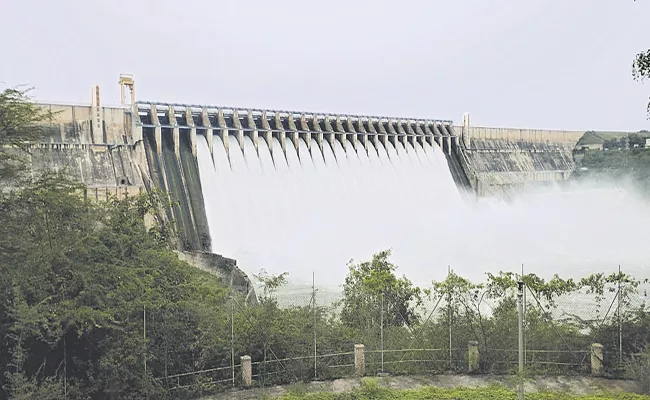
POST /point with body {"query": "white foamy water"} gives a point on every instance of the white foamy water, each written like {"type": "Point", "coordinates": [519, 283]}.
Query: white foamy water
{"type": "Point", "coordinates": [314, 210]}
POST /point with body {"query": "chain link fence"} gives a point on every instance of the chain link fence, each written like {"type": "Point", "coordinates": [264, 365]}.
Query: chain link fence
{"type": "Point", "coordinates": [293, 337]}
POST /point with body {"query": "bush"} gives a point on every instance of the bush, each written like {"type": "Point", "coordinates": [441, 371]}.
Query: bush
{"type": "Point", "coordinates": [637, 368]}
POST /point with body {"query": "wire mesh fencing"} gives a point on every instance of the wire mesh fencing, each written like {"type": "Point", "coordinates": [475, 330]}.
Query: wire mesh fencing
{"type": "Point", "coordinates": [456, 327]}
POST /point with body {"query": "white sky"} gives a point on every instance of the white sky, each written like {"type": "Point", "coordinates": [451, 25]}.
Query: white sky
{"type": "Point", "coordinates": [562, 64]}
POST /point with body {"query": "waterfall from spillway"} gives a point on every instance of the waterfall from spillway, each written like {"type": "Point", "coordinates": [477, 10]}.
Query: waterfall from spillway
{"type": "Point", "coordinates": [315, 210]}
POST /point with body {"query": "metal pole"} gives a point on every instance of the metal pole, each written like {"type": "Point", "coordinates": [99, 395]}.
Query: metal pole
{"type": "Point", "coordinates": [232, 338]}
{"type": "Point", "coordinates": [620, 326]}
{"type": "Point", "coordinates": [232, 331]}
{"type": "Point", "coordinates": [144, 336]}
{"type": "Point", "coordinates": [381, 330]}
{"type": "Point", "coordinates": [449, 315]}
{"type": "Point", "coordinates": [65, 367]}
{"type": "Point", "coordinates": [520, 307]}
{"type": "Point", "coordinates": [313, 299]}
{"type": "Point", "coordinates": [524, 307]}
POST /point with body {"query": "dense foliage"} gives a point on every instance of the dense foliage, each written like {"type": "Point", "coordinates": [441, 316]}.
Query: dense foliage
{"type": "Point", "coordinates": [627, 141]}
{"type": "Point", "coordinates": [562, 319]}
{"type": "Point", "coordinates": [80, 282]}
{"type": "Point", "coordinates": [19, 117]}
{"type": "Point", "coordinates": [77, 279]}
{"type": "Point", "coordinates": [372, 282]}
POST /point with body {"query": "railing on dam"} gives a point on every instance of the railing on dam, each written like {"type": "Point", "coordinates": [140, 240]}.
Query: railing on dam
{"type": "Point", "coordinates": [289, 126]}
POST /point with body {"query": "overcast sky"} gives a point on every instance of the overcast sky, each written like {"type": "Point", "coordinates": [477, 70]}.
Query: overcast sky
{"type": "Point", "coordinates": [537, 63]}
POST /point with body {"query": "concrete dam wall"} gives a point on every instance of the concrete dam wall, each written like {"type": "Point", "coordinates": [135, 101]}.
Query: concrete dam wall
{"type": "Point", "coordinates": [503, 160]}
{"type": "Point", "coordinates": [123, 152]}
{"type": "Point", "coordinates": [126, 150]}
{"type": "Point", "coordinates": [100, 156]}
{"type": "Point", "coordinates": [95, 145]}
{"type": "Point", "coordinates": [182, 123]}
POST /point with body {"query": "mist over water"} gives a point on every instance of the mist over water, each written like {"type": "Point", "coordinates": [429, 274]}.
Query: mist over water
{"type": "Point", "coordinates": [315, 210]}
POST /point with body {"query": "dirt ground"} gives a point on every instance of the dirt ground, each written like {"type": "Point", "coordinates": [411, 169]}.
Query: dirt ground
{"type": "Point", "coordinates": [573, 384]}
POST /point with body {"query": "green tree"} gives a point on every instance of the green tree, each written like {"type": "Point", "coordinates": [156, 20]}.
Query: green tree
{"type": "Point", "coordinates": [270, 283]}
{"type": "Point", "coordinates": [371, 283]}
{"type": "Point", "coordinates": [77, 278]}
{"type": "Point", "coordinates": [19, 125]}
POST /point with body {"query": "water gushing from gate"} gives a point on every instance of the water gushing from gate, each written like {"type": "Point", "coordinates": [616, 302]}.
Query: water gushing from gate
{"type": "Point", "coordinates": [315, 210]}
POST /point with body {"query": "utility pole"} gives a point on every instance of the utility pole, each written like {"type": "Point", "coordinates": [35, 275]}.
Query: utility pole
{"type": "Point", "coordinates": [381, 331]}
{"type": "Point", "coordinates": [620, 326]}
{"type": "Point", "coordinates": [232, 330]}
{"type": "Point", "coordinates": [232, 338]}
{"type": "Point", "coordinates": [520, 307]}
{"type": "Point", "coordinates": [144, 335]}
{"type": "Point", "coordinates": [449, 316]}
{"type": "Point", "coordinates": [524, 307]}
{"type": "Point", "coordinates": [65, 367]}
{"type": "Point", "coordinates": [313, 302]}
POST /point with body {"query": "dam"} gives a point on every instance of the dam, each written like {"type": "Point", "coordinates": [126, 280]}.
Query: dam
{"type": "Point", "coordinates": [305, 192]}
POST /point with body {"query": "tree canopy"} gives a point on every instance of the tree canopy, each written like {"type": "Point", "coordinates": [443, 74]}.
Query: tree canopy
{"type": "Point", "coordinates": [77, 279]}
{"type": "Point", "coordinates": [371, 282]}
{"type": "Point", "coordinates": [19, 125]}
{"type": "Point", "coordinates": [81, 281]}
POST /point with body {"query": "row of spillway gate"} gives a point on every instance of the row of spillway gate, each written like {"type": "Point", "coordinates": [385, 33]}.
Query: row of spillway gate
{"type": "Point", "coordinates": [289, 127]}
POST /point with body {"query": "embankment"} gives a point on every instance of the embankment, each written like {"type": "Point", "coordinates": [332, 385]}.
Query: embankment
{"type": "Point", "coordinates": [223, 267]}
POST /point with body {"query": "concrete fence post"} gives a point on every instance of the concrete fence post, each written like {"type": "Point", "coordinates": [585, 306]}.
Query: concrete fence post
{"type": "Point", "coordinates": [596, 359]}
{"type": "Point", "coordinates": [359, 360]}
{"type": "Point", "coordinates": [246, 371]}
{"type": "Point", "coordinates": [472, 356]}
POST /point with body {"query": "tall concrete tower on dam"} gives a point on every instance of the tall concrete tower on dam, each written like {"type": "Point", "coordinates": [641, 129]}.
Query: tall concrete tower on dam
{"type": "Point", "coordinates": [184, 148]}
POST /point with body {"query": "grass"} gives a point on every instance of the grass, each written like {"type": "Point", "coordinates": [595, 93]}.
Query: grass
{"type": "Point", "coordinates": [370, 389]}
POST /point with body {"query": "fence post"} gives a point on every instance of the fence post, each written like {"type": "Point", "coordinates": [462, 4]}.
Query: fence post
{"type": "Point", "coordinates": [359, 360]}
{"type": "Point", "coordinates": [246, 371]}
{"type": "Point", "coordinates": [596, 359]}
{"type": "Point", "coordinates": [472, 356]}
